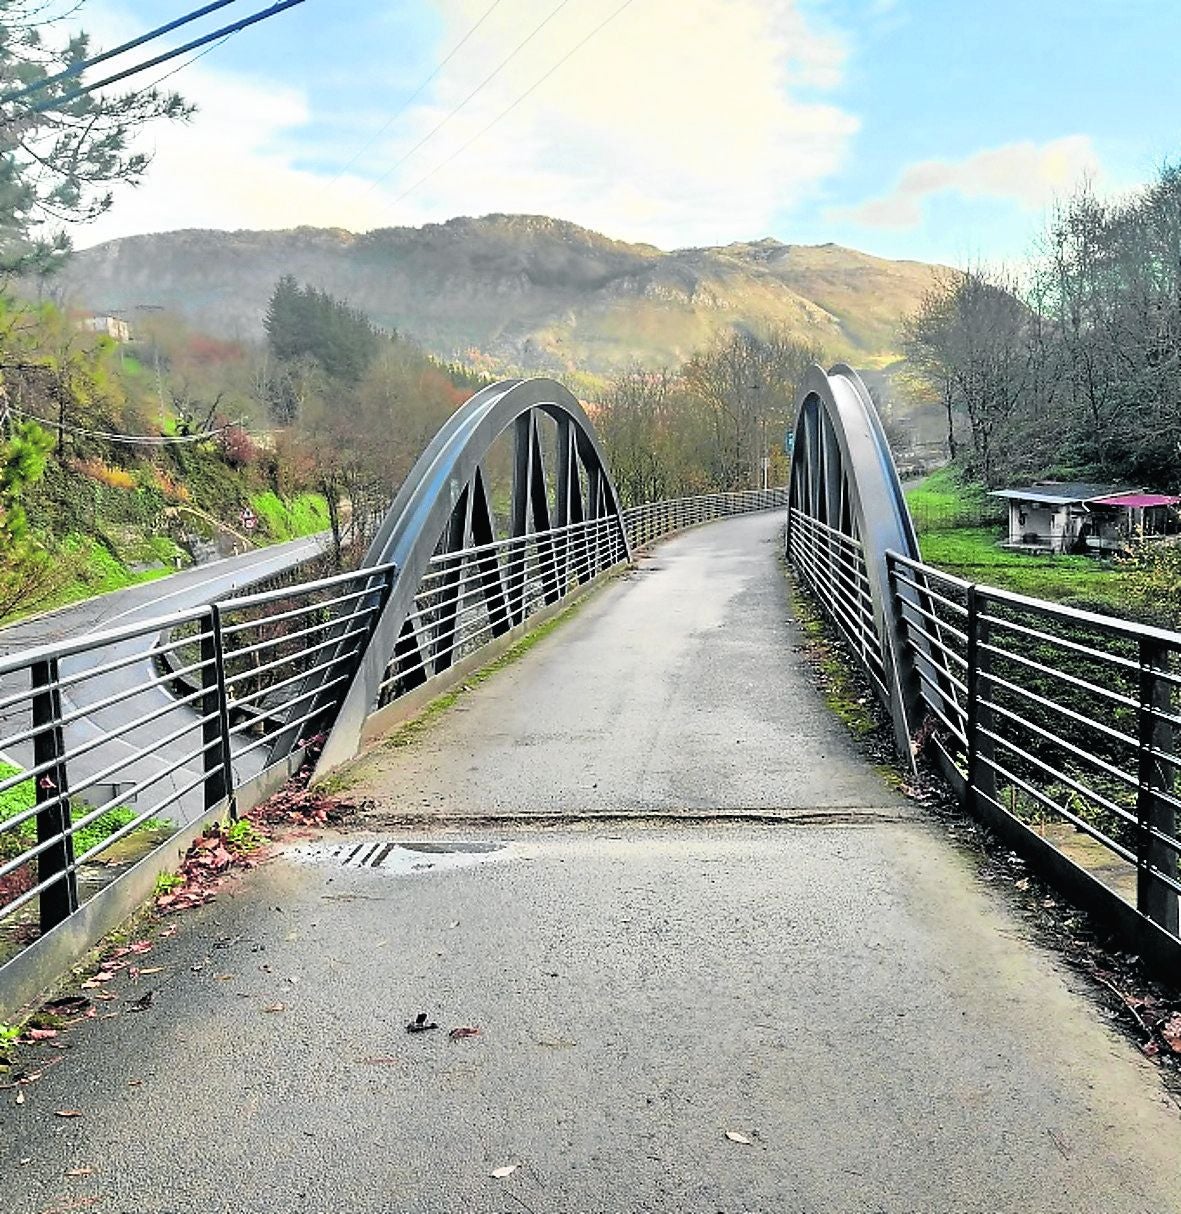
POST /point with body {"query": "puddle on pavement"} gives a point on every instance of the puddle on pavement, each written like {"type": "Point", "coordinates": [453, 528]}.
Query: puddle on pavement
{"type": "Point", "coordinates": [400, 857]}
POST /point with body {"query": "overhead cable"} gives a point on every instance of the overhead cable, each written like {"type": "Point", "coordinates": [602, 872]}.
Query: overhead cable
{"type": "Point", "coordinates": [509, 109]}
{"type": "Point", "coordinates": [385, 126]}
{"type": "Point", "coordinates": [76, 69]}
{"type": "Point", "coordinates": [479, 87]}
{"type": "Point", "coordinates": [224, 32]}
{"type": "Point", "coordinates": [133, 440]}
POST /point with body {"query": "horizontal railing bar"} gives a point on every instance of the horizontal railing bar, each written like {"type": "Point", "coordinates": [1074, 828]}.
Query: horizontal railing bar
{"type": "Point", "coordinates": [1057, 776]}
{"type": "Point", "coordinates": [97, 640]}
{"type": "Point", "coordinates": [1087, 756]}
{"type": "Point", "coordinates": [339, 579]}
{"type": "Point", "coordinates": [1008, 655]}
{"type": "Point", "coordinates": [1052, 805]}
{"type": "Point", "coordinates": [950, 604]}
{"type": "Point", "coordinates": [1061, 642]}
{"type": "Point", "coordinates": [1061, 709]}
{"type": "Point", "coordinates": [927, 570]}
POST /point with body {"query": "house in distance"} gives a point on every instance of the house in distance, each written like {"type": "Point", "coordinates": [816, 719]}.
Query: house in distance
{"type": "Point", "coordinates": [1072, 516]}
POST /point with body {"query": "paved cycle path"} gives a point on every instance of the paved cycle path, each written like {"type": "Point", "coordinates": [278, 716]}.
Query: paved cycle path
{"type": "Point", "coordinates": [824, 1013]}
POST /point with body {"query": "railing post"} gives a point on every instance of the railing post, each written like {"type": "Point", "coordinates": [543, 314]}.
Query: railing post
{"type": "Point", "coordinates": [1154, 897]}
{"type": "Point", "coordinates": [56, 863]}
{"type": "Point", "coordinates": [981, 773]}
{"type": "Point", "coordinates": [215, 709]}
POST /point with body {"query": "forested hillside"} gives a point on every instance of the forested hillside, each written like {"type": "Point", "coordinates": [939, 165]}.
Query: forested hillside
{"type": "Point", "coordinates": [518, 291]}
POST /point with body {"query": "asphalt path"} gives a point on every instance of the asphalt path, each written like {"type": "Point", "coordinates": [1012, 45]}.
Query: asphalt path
{"type": "Point", "coordinates": [823, 1011]}
{"type": "Point", "coordinates": [144, 752]}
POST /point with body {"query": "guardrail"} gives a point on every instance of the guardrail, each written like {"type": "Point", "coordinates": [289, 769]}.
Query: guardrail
{"type": "Point", "coordinates": [91, 719]}
{"type": "Point", "coordinates": [471, 597]}
{"type": "Point", "coordinates": [1058, 727]}
{"type": "Point", "coordinates": [653, 520]}
{"type": "Point", "coordinates": [833, 565]}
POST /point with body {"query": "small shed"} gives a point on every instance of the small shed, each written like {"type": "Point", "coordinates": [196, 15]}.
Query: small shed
{"type": "Point", "coordinates": [1075, 516]}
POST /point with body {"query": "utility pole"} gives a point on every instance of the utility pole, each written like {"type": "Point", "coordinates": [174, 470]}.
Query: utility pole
{"type": "Point", "coordinates": [766, 457]}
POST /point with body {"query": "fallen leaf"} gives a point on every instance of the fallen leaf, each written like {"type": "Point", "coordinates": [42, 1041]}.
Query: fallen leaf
{"type": "Point", "coordinates": [68, 1004]}
{"type": "Point", "coordinates": [1171, 1032]}
{"type": "Point", "coordinates": [41, 1034]}
{"type": "Point", "coordinates": [275, 1007]}
{"type": "Point", "coordinates": [420, 1024]}
{"type": "Point", "coordinates": [467, 1030]}
{"type": "Point", "coordinates": [142, 1003]}
{"type": "Point", "coordinates": [507, 1170]}
{"type": "Point", "coordinates": [151, 969]}
{"type": "Point", "coordinates": [67, 1113]}
{"type": "Point", "coordinates": [79, 1171]}
{"type": "Point", "coordinates": [734, 1136]}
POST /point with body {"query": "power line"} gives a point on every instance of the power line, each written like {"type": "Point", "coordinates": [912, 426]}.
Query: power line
{"type": "Point", "coordinates": [487, 80]}
{"type": "Point", "coordinates": [385, 126]}
{"type": "Point", "coordinates": [508, 109]}
{"type": "Point", "coordinates": [131, 440]}
{"type": "Point", "coordinates": [78, 68]}
{"type": "Point", "coordinates": [224, 32]}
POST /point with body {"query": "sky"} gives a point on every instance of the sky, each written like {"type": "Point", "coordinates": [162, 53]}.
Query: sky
{"type": "Point", "coordinates": [941, 130]}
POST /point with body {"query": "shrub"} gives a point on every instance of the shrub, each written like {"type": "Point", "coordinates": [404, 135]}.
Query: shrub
{"type": "Point", "coordinates": [116, 478]}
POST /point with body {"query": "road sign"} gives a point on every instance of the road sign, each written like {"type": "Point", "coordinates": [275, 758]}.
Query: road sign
{"type": "Point", "coordinates": [249, 519]}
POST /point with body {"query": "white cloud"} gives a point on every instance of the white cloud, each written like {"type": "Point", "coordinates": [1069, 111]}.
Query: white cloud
{"type": "Point", "coordinates": [677, 124]}
{"type": "Point", "coordinates": [1027, 173]}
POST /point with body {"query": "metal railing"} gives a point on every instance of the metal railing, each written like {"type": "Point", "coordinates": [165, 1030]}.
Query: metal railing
{"type": "Point", "coordinates": [472, 596]}
{"type": "Point", "coordinates": [833, 566]}
{"type": "Point", "coordinates": [99, 749]}
{"type": "Point", "coordinates": [1060, 727]}
{"type": "Point", "coordinates": [655, 519]}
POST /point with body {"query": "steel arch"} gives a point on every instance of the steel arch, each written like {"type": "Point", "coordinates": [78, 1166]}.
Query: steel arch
{"type": "Point", "coordinates": [846, 504]}
{"type": "Point", "coordinates": [444, 505]}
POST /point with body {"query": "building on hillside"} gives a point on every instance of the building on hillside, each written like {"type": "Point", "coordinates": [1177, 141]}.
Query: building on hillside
{"type": "Point", "coordinates": [109, 326]}
{"type": "Point", "coordinates": [1069, 516]}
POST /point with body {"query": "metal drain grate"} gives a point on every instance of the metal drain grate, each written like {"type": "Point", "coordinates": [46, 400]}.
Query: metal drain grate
{"type": "Point", "coordinates": [399, 856]}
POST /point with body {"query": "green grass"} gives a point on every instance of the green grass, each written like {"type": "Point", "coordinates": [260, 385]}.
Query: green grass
{"type": "Point", "coordinates": [955, 534]}
{"type": "Point", "coordinates": [972, 553]}
{"type": "Point", "coordinates": [23, 796]}
{"type": "Point", "coordinates": [99, 571]}
{"type": "Point", "coordinates": [304, 514]}
{"type": "Point", "coordinates": [945, 500]}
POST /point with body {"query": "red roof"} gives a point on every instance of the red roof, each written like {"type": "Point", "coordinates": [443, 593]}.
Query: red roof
{"type": "Point", "coordinates": [1135, 501]}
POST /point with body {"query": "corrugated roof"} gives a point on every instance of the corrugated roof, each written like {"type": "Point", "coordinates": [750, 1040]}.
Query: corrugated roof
{"type": "Point", "coordinates": [1136, 501]}
{"type": "Point", "coordinates": [1061, 493]}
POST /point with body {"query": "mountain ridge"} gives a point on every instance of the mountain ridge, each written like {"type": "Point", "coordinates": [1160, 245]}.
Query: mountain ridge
{"type": "Point", "coordinates": [519, 291]}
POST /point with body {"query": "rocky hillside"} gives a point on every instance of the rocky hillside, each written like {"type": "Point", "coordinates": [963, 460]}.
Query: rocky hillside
{"type": "Point", "coordinates": [521, 290]}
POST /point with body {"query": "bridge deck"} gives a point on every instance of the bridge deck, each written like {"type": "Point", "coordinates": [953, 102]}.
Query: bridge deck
{"type": "Point", "coordinates": [844, 993]}
{"type": "Point", "coordinates": [679, 688]}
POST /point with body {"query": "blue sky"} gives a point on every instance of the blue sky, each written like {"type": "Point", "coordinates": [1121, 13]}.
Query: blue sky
{"type": "Point", "coordinates": [908, 128]}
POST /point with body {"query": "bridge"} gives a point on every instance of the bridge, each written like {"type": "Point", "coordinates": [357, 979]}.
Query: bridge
{"type": "Point", "coordinates": [716, 961]}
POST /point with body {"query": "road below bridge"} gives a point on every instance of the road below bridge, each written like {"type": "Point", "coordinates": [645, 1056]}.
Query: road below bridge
{"type": "Point", "coordinates": [837, 991]}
